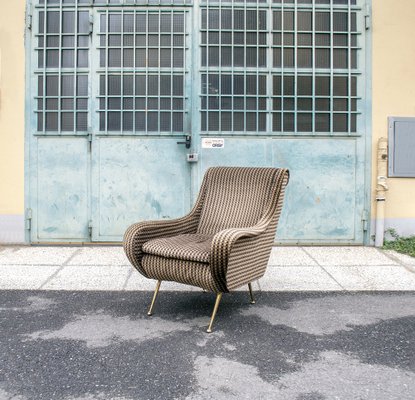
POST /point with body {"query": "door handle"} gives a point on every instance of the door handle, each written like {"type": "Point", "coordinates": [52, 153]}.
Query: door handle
{"type": "Point", "coordinates": [187, 142]}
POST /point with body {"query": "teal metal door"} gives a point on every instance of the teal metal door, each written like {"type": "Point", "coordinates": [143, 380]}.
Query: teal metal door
{"type": "Point", "coordinates": [139, 169]}
{"type": "Point", "coordinates": [283, 83]}
{"type": "Point", "coordinates": [113, 85]}
{"type": "Point", "coordinates": [112, 103]}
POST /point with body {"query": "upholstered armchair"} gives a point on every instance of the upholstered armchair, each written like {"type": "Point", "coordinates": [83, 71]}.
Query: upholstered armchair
{"type": "Point", "coordinates": [223, 243]}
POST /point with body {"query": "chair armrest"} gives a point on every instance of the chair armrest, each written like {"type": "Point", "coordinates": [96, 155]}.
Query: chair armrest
{"type": "Point", "coordinates": [224, 242]}
{"type": "Point", "coordinates": [137, 234]}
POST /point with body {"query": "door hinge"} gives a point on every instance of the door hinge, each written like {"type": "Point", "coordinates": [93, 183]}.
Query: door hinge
{"type": "Point", "coordinates": [91, 23]}
{"type": "Point", "coordinates": [367, 17]}
{"type": "Point", "coordinates": [28, 219]}
{"type": "Point", "coordinates": [29, 16]}
{"type": "Point", "coordinates": [90, 228]}
{"type": "Point", "coordinates": [365, 220]}
{"type": "Point", "coordinates": [89, 140]}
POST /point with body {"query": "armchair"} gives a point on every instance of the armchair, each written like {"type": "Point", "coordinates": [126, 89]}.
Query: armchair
{"type": "Point", "coordinates": [223, 243]}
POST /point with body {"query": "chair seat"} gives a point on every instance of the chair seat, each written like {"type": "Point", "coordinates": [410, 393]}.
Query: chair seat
{"type": "Point", "coordinates": [190, 247]}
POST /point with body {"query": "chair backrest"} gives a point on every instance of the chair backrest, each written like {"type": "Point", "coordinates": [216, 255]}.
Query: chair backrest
{"type": "Point", "coordinates": [235, 197]}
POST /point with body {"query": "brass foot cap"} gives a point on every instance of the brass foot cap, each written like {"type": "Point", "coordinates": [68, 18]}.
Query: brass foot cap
{"type": "Point", "coordinates": [149, 314]}
{"type": "Point", "coordinates": [209, 331]}
{"type": "Point", "coordinates": [253, 301]}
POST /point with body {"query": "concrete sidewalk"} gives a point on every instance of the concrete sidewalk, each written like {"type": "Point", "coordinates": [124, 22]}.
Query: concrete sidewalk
{"type": "Point", "coordinates": [290, 269]}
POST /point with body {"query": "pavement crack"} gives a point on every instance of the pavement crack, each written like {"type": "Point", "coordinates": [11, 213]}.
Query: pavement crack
{"type": "Point", "coordinates": [327, 272]}
{"type": "Point", "coordinates": [64, 264]}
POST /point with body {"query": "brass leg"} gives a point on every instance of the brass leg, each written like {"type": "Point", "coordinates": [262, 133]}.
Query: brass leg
{"type": "Point", "coordinates": [215, 309]}
{"type": "Point", "coordinates": [150, 311]}
{"type": "Point", "coordinates": [251, 293]}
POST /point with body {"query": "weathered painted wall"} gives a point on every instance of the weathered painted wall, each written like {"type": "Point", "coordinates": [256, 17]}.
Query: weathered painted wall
{"type": "Point", "coordinates": [12, 19]}
{"type": "Point", "coordinates": [12, 90]}
{"type": "Point", "coordinates": [394, 95]}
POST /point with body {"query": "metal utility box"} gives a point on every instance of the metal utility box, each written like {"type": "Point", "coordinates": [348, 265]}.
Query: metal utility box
{"type": "Point", "coordinates": [401, 147]}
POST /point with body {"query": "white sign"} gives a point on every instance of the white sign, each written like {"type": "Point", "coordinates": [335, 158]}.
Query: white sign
{"type": "Point", "coordinates": [213, 143]}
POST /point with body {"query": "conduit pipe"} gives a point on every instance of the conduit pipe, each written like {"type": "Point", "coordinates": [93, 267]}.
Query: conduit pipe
{"type": "Point", "coordinates": [381, 189]}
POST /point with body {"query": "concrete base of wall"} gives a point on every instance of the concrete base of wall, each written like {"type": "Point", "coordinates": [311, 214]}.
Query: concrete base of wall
{"type": "Point", "coordinates": [12, 229]}
{"type": "Point", "coordinates": [403, 226]}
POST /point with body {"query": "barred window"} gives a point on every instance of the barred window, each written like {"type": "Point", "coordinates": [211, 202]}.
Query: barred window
{"type": "Point", "coordinates": [292, 68]}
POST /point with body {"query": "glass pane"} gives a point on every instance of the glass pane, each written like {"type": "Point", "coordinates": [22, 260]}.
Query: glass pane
{"type": "Point", "coordinates": [52, 84]}
{"type": "Point", "coordinates": [340, 58]}
{"type": "Point", "coordinates": [52, 58]}
{"type": "Point", "coordinates": [340, 86]}
{"type": "Point", "coordinates": [178, 122]}
{"type": "Point", "coordinates": [322, 21]}
{"type": "Point", "coordinates": [68, 58]}
{"type": "Point", "coordinates": [304, 104]}
{"type": "Point", "coordinates": [127, 121]}
{"type": "Point", "coordinates": [67, 121]}
{"type": "Point", "coordinates": [304, 85]}
{"type": "Point", "coordinates": [322, 86]}
{"type": "Point", "coordinates": [81, 122]}
{"type": "Point", "coordinates": [322, 123]}
{"type": "Point", "coordinates": [304, 58]}
{"type": "Point", "coordinates": [83, 22]}
{"type": "Point", "coordinates": [67, 104]}
{"type": "Point", "coordinates": [114, 57]}
{"type": "Point", "coordinates": [288, 122]}
{"type": "Point", "coordinates": [276, 122]}
{"type": "Point", "coordinates": [51, 104]}
{"type": "Point", "coordinates": [288, 20]}
{"type": "Point", "coordinates": [288, 58]}
{"type": "Point", "coordinates": [304, 21]}
{"type": "Point", "coordinates": [53, 22]}
{"type": "Point", "coordinates": [340, 123]}
{"type": "Point", "coordinates": [82, 85]}
{"type": "Point", "coordinates": [51, 121]}
{"type": "Point", "coordinates": [114, 22]}
{"type": "Point", "coordinates": [288, 85]}
{"type": "Point", "coordinates": [340, 21]}
{"type": "Point", "coordinates": [322, 58]}
{"type": "Point", "coordinates": [304, 122]}
{"type": "Point", "coordinates": [68, 22]}
{"type": "Point", "coordinates": [114, 121]}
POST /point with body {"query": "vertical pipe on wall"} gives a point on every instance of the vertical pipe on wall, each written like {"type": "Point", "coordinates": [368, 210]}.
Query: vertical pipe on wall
{"type": "Point", "coordinates": [381, 188]}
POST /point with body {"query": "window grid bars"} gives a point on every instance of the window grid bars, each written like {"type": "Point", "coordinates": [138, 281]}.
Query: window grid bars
{"type": "Point", "coordinates": [53, 117]}
{"type": "Point", "coordinates": [350, 72]}
{"type": "Point", "coordinates": [115, 3]}
{"type": "Point", "coordinates": [177, 69]}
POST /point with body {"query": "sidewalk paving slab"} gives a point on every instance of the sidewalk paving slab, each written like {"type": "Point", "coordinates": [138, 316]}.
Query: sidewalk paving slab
{"type": "Point", "coordinates": [94, 277]}
{"type": "Point", "coordinates": [373, 277]}
{"type": "Point", "coordinates": [25, 277]}
{"type": "Point", "coordinates": [348, 256]}
{"type": "Point", "coordinates": [27, 255]}
{"type": "Point", "coordinates": [296, 268]}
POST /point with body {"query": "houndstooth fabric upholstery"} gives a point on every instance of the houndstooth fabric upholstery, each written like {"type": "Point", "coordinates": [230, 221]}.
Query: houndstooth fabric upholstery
{"type": "Point", "coordinates": [193, 247]}
{"type": "Point", "coordinates": [182, 271]}
{"type": "Point", "coordinates": [225, 241]}
{"type": "Point", "coordinates": [235, 198]}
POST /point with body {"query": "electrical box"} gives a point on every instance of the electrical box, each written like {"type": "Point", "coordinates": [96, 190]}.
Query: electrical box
{"type": "Point", "coordinates": [401, 149]}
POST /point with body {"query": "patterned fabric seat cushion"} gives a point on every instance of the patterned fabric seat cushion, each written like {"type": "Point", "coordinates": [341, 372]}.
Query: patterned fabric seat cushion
{"type": "Point", "coordinates": [189, 247]}
{"type": "Point", "coordinates": [182, 271]}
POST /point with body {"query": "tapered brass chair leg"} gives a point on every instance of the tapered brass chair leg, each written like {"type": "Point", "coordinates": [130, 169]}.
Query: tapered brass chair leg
{"type": "Point", "coordinates": [215, 309]}
{"type": "Point", "coordinates": [251, 293]}
{"type": "Point", "coordinates": [150, 311]}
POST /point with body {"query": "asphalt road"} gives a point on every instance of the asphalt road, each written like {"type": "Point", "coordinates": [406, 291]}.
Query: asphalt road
{"type": "Point", "coordinates": [302, 346]}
